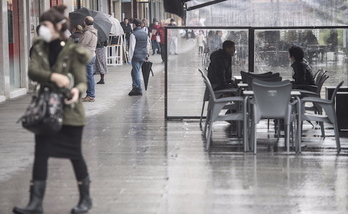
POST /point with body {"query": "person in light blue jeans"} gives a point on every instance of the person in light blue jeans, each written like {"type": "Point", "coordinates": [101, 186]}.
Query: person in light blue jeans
{"type": "Point", "coordinates": [136, 77]}
{"type": "Point", "coordinates": [89, 40]}
{"type": "Point", "coordinates": [90, 79]}
{"type": "Point", "coordinates": [138, 52]}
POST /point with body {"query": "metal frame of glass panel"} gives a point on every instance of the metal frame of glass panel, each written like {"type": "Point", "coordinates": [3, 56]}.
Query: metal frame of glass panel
{"type": "Point", "coordinates": [250, 59]}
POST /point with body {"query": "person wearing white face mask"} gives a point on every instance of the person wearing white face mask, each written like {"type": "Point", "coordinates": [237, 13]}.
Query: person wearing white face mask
{"type": "Point", "coordinates": [53, 58]}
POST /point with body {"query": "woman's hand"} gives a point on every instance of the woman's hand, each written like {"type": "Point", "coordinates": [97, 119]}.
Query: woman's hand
{"type": "Point", "coordinates": [74, 96]}
{"type": "Point", "coordinates": [61, 80]}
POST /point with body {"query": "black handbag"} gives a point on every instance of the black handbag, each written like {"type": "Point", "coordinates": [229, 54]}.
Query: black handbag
{"type": "Point", "coordinates": [44, 115]}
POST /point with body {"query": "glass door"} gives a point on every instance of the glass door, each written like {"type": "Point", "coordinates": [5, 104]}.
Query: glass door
{"type": "Point", "coordinates": [13, 37]}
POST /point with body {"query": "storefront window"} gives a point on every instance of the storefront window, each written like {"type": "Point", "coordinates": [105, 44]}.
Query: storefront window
{"type": "Point", "coordinates": [90, 4]}
{"type": "Point", "coordinates": [34, 17]}
{"type": "Point", "coordinates": [13, 37]}
{"type": "Point", "coordinates": [56, 2]}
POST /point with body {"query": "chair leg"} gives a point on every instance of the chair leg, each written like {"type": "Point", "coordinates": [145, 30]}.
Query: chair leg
{"type": "Point", "coordinates": [200, 121]}
{"type": "Point", "coordinates": [337, 137]}
{"type": "Point", "coordinates": [299, 135]}
{"type": "Point", "coordinates": [208, 139]}
{"type": "Point", "coordinates": [207, 120]}
{"type": "Point", "coordinates": [287, 138]}
{"type": "Point", "coordinates": [322, 129]}
{"type": "Point", "coordinates": [253, 137]}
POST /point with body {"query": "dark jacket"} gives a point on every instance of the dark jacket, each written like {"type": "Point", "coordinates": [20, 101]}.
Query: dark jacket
{"type": "Point", "coordinates": [220, 70]}
{"type": "Point", "coordinates": [303, 75]}
{"type": "Point", "coordinates": [72, 59]}
{"type": "Point", "coordinates": [76, 36]}
{"type": "Point", "coordinates": [102, 44]}
{"type": "Point", "coordinates": [127, 29]}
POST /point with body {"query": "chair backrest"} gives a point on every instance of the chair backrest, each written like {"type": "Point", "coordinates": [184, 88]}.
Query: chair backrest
{"type": "Point", "coordinates": [318, 72]}
{"type": "Point", "coordinates": [321, 83]}
{"type": "Point", "coordinates": [318, 76]}
{"type": "Point", "coordinates": [271, 98]}
{"type": "Point", "coordinates": [244, 74]}
{"type": "Point", "coordinates": [333, 97]}
{"type": "Point", "coordinates": [269, 78]}
{"type": "Point", "coordinates": [209, 88]}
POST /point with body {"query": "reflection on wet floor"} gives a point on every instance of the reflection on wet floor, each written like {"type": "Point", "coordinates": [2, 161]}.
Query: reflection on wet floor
{"type": "Point", "coordinates": [140, 163]}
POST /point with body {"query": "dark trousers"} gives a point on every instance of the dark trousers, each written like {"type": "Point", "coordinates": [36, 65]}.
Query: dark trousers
{"type": "Point", "coordinates": [164, 52]}
{"type": "Point", "coordinates": [40, 168]}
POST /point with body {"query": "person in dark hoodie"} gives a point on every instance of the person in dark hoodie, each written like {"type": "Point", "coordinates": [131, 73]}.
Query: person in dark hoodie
{"type": "Point", "coordinates": [220, 67]}
{"type": "Point", "coordinates": [303, 76]}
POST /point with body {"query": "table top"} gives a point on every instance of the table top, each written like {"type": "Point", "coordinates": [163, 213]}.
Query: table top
{"type": "Point", "coordinates": [237, 77]}
{"type": "Point", "coordinates": [242, 85]}
{"type": "Point", "coordinates": [293, 92]}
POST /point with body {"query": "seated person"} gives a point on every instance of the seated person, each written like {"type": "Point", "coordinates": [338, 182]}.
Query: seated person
{"type": "Point", "coordinates": [220, 67]}
{"type": "Point", "coordinates": [303, 76]}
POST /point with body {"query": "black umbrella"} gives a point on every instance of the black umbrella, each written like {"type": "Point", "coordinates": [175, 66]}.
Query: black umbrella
{"type": "Point", "coordinates": [146, 68]}
{"type": "Point", "coordinates": [101, 22]}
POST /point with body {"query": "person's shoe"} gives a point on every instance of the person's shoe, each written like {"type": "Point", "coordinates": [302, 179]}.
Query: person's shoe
{"type": "Point", "coordinates": [135, 92]}
{"type": "Point", "coordinates": [176, 54]}
{"type": "Point", "coordinates": [88, 99]}
{"type": "Point", "coordinates": [37, 192]}
{"type": "Point", "coordinates": [101, 81]}
{"type": "Point", "coordinates": [85, 202]}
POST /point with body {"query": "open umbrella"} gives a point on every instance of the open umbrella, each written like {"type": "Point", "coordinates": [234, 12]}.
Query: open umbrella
{"type": "Point", "coordinates": [101, 22]}
{"type": "Point", "coordinates": [146, 68]}
{"type": "Point", "coordinates": [116, 28]}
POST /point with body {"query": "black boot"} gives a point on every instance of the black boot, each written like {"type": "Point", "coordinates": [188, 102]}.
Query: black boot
{"type": "Point", "coordinates": [37, 191]}
{"type": "Point", "coordinates": [85, 202]}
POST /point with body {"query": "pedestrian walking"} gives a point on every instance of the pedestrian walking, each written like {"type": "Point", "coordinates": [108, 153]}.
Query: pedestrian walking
{"type": "Point", "coordinates": [153, 32]}
{"type": "Point", "coordinates": [54, 56]}
{"type": "Point", "coordinates": [162, 33]}
{"type": "Point", "coordinates": [89, 40]}
{"type": "Point", "coordinates": [127, 29]}
{"type": "Point", "coordinates": [173, 38]}
{"type": "Point", "coordinates": [139, 45]}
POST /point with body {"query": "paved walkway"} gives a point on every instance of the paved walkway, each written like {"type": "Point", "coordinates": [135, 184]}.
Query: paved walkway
{"type": "Point", "coordinates": [139, 163]}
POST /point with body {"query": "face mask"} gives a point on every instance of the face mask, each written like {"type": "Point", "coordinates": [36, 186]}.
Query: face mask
{"type": "Point", "coordinates": [45, 33]}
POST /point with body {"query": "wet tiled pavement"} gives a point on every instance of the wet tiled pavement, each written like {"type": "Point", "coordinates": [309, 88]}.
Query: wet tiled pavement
{"type": "Point", "coordinates": [140, 163]}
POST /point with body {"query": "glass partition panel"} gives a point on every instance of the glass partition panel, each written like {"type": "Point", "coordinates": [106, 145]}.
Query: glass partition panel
{"type": "Point", "coordinates": [188, 51]}
{"type": "Point", "coordinates": [258, 50]}
{"type": "Point", "coordinates": [324, 48]}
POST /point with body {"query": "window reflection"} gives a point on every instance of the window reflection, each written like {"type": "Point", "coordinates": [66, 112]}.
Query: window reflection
{"type": "Point", "coordinates": [13, 38]}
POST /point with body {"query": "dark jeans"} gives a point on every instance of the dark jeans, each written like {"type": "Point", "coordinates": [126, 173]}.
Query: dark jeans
{"type": "Point", "coordinates": [155, 45]}
{"type": "Point", "coordinates": [164, 52]}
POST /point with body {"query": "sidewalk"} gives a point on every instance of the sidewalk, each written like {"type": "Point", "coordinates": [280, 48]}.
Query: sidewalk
{"type": "Point", "coordinates": [139, 163]}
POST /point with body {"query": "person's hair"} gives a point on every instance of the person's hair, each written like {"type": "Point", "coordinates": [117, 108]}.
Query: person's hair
{"type": "Point", "coordinates": [125, 19]}
{"type": "Point", "coordinates": [227, 44]}
{"type": "Point", "coordinates": [144, 21]}
{"type": "Point", "coordinates": [78, 28]}
{"type": "Point", "coordinates": [37, 29]}
{"type": "Point", "coordinates": [55, 15]}
{"type": "Point", "coordinates": [296, 52]}
{"type": "Point", "coordinates": [89, 21]}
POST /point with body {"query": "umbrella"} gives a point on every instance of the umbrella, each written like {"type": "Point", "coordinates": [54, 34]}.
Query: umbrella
{"type": "Point", "coordinates": [116, 28]}
{"type": "Point", "coordinates": [146, 68]}
{"type": "Point", "coordinates": [101, 22]}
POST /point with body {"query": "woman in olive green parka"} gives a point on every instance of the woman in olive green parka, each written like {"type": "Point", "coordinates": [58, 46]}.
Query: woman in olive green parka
{"type": "Point", "coordinates": [53, 57]}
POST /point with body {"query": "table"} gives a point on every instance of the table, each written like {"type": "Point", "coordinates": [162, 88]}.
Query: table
{"type": "Point", "coordinates": [294, 93]}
